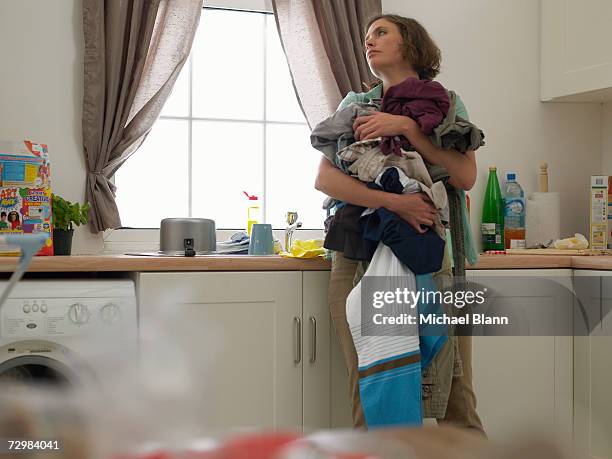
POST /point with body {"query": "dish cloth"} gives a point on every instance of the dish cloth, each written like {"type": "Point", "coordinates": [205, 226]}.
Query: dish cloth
{"type": "Point", "coordinates": [311, 248]}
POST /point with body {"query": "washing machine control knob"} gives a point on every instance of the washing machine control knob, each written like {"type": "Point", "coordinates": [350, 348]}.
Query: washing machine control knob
{"type": "Point", "coordinates": [110, 313]}
{"type": "Point", "coordinates": [78, 313]}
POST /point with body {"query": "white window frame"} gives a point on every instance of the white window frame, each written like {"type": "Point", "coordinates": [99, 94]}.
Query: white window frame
{"type": "Point", "coordinates": [145, 239]}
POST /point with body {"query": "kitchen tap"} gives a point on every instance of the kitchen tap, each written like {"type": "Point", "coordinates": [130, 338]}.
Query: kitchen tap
{"type": "Point", "coordinates": [292, 224]}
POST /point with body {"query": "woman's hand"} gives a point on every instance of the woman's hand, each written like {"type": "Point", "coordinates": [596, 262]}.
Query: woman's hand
{"type": "Point", "coordinates": [380, 124]}
{"type": "Point", "coordinates": [415, 208]}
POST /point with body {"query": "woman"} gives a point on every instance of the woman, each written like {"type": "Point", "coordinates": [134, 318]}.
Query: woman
{"type": "Point", "coordinates": [397, 48]}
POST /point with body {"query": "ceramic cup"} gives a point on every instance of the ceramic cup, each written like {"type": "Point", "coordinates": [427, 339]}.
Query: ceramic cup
{"type": "Point", "coordinates": [262, 242]}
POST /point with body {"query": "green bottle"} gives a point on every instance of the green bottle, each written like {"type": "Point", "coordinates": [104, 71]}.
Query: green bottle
{"type": "Point", "coordinates": [493, 215]}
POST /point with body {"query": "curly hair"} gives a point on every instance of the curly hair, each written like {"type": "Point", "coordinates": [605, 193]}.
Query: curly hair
{"type": "Point", "coordinates": [418, 47]}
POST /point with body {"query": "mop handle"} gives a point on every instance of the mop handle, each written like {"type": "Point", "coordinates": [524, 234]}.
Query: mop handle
{"type": "Point", "coordinates": [29, 244]}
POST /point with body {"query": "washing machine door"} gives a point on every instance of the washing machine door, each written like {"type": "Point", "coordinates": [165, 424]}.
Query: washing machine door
{"type": "Point", "coordinates": [40, 362]}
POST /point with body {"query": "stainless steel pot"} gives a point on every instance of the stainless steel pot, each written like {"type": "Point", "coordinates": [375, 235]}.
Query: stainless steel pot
{"type": "Point", "coordinates": [187, 236]}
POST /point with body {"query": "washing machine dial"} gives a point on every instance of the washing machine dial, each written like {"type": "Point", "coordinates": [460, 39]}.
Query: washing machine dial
{"type": "Point", "coordinates": [78, 313]}
{"type": "Point", "coordinates": [110, 313]}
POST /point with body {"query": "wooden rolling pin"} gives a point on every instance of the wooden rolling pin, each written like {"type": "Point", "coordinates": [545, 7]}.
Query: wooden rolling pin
{"type": "Point", "coordinates": [543, 178]}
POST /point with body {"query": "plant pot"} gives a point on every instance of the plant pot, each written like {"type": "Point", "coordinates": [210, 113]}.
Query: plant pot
{"type": "Point", "coordinates": [62, 241]}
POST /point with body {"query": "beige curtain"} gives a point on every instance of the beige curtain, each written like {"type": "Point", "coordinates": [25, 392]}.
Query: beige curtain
{"type": "Point", "coordinates": [323, 42]}
{"type": "Point", "coordinates": [134, 51]}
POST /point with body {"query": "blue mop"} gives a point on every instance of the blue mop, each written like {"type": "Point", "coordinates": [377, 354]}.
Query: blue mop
{"type": "Point", "coordinates": [29, 244]}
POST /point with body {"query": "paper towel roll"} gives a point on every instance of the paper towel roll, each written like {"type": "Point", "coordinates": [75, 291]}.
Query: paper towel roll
{"type": "Point", "coordinates": [542, 218]}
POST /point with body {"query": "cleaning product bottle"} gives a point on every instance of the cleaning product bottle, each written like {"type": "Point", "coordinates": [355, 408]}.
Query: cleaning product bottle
{"type": "Point", "coordinates": [493, 215]}
{"type": "Point", "coordinates": [253, 211]}
{"type": "Point", "coordinates": [514, 213]}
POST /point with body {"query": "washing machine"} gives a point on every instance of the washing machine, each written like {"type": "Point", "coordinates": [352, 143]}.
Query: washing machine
{"type": "Point", "coordinates": [57, 331]}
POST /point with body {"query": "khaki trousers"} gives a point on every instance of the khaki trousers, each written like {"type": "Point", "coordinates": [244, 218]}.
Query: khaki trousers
{"type": "Point", "coordinates": [461, 408]}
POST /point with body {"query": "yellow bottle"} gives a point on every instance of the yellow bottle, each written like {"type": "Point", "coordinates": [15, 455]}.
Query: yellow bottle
{"type": "Point", "coordinates": [253, 211]}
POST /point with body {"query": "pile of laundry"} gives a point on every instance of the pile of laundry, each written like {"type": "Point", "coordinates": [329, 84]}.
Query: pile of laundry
{"type": "Point", "coordinates": [390, 361]}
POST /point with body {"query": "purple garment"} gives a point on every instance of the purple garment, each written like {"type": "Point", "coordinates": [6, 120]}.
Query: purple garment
{"type": "Point", "coordinates": [424, 101]}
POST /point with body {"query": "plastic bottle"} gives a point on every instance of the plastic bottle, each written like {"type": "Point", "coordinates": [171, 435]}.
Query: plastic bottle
{"type": "Point", "coordinates": [253, 211]}
{"type": "Point", "coordinates": [492, 228]}
{"type": "Point", "coordinates": [514, 213]}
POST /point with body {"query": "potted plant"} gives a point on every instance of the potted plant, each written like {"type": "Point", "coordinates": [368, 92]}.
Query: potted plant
{"type": "Point", "coordinates": [65, 214]}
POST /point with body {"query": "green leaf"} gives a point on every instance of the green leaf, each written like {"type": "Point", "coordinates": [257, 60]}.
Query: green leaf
{"type": "Point", "coordinates": [65, 213]}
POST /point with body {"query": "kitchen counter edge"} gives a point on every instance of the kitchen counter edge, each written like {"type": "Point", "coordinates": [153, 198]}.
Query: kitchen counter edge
{"type": "Point", "coordinates": [126, 263]}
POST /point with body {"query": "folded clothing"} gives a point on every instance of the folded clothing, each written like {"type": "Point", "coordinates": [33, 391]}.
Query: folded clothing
{"type": "Point", "coordinates": [344, 234]}
{"type": "Point", "coordinates": [390, 357]}
{"type": "Point", "coordinates": [425, 101]}
{"type": "Point", "coordinates": [366, 161]}
{"type": "Point", "coordinates": [421, 253]}
{"type": "Point", "coordinates": [451, 132]}
{"type": "Point", "coordinates": [356, 231]}
{"type": "Point", "coordinates": [336, 132]}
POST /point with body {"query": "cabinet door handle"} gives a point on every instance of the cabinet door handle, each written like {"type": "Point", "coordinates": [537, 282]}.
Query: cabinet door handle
{"type": "Point", "coordinates": [298, 340]}
{"type": "Point", "coordinates": [313, 339]}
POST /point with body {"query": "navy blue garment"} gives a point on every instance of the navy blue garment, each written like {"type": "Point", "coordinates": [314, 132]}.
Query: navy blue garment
{"type": "Point", "coordinates": [421, 253]}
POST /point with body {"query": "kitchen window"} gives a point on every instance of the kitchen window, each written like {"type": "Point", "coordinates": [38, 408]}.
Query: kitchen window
{"type": "Point", "coordinates": [232, 123]}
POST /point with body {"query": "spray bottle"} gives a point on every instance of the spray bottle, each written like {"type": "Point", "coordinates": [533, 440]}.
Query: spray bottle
{"type": "Point", "coordinates": [253, 211]}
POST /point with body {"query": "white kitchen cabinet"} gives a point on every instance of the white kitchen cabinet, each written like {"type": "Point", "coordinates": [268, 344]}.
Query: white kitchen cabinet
{"type": "Point", "coordinates": [248, 351]}
{"type": "Point", "coordinates": [524, 382]}
{"type": "Point", "coordinates": [593, 368]}
{"type": "Point", "coordinates": [326, 402]}
{"type": "Point", "coordinates": [316, 354]}
{"type": "Point", "coordinates": [270, 355]}
{"type": "Point", "coordinates": [576, 57]}
{"type": "Point", "coordinates": [271, 358]}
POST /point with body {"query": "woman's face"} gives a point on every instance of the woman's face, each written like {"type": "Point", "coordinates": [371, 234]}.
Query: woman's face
{"type": "Point", "coordinates": [383, 45]}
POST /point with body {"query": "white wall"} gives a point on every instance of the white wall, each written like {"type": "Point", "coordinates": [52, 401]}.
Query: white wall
{"type": "Point", "coordinates": [606, 130]}
{"type": "Point", "coordinates": [490, 52]}
{"type": "Point", "coordinates": [41, 85]}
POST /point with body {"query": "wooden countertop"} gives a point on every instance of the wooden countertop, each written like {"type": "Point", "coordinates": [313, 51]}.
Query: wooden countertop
{"type": "Point", "coordinates": [600, 262]}
{"type": "Point", "coordinates": [109, 263]}
{"type": "Point", "coordinates": [525, 262]}
{"type": "Point", "coordinates": [126, 263]}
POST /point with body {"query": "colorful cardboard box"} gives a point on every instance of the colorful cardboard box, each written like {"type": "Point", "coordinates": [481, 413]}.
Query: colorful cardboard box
{"type": "Point", "coordinates": [600, 227]}
{"type": "Point", "coordinates": [25, 190]}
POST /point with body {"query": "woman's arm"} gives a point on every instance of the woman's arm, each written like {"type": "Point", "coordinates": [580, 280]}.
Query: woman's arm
{"type": "Point", "coordinates": [415, 208]}
{"type": "Point", "coordinates": [461, 167]}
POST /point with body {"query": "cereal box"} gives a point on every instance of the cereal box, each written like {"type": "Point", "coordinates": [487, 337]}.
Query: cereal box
{"type": "Point", "coordinates": [600, 226]}
{"type": "Point", "coordinates": [25, 190]}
